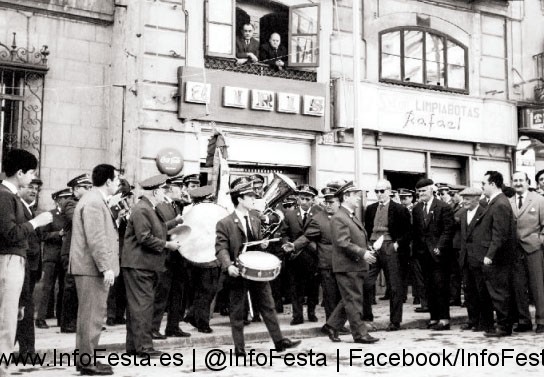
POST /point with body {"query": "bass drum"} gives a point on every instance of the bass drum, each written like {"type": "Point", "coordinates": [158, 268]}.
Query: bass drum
{"type": "Point", "coordinates": [199, 246]}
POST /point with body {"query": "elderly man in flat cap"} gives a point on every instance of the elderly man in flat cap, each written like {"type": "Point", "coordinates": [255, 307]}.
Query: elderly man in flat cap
{"type": "Point", "coordinates": [142, 260]}
{"type": "Point", "coordinates": [433, 226]}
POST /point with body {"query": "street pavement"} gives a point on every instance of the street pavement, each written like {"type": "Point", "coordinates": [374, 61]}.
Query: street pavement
{"type": "Point", "coordinates": [317, 355]}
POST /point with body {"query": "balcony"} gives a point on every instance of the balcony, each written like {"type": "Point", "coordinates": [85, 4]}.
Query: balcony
{"type": "Point", "coordinates": [259, 69]}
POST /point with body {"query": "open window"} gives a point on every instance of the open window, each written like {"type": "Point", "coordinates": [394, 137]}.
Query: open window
{"type": "Point", "coordinates": [298, 26]}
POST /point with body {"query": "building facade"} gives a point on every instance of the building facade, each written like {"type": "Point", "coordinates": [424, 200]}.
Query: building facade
{"type": "Point", "coordinates": [443, 86]}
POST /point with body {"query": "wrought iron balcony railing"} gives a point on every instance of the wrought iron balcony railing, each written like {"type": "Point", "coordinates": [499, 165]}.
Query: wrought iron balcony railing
{"type": "Point", "coordinates": [225, 64]}
{"type": "Point", "coordinates": [23, 58]}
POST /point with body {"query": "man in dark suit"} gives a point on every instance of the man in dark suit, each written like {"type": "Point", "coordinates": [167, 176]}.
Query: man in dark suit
{"type": "Point", "coordinates": [94, 263]}
{"type": "Point", "coordinates": [231, 234]}
{"type": "Point", "coordinates": [170, 280]}
{"type": "Point", "coordinates": [142, 260]}
{"type": "Point", "coordinates": [79, 185]}
{"type": "Point", "coordinates": [247, 47]}
{"type": "Point", "coordinates": [477, 300]}
{"type": "Point", "coordinates": [274, 54]}
{"type": "Point", "coordinates": [19, 167]}
{"type": "Point", "coordinates": [433, 226]}
{"type": "Point", "coordinates": [301, 262]}
{"type": "Point", "coordinates": [51, 236]}
{"type": "Point", "coordinates": [392, 221]}
{"type": "Point", "coordinates": [350, 260]}
{"type": "Point", "coordinates": [497, 238]}
{"type": "Point", "coordinates": [25, 327]}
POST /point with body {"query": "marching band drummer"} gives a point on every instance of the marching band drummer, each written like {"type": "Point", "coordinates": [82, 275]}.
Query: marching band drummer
{"type": "Point", "coordinates": [231, 233]}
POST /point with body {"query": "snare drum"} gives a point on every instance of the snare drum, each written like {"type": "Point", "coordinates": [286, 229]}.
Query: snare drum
{"type": "Point", "coordinates": [258, 266]}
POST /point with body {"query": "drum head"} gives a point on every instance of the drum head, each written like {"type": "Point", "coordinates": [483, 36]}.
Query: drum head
{"type": "Point", "coordinates": [260, 259]}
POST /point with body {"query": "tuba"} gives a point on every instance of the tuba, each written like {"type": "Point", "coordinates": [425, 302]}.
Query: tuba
{"type": "Point", "coordinates": [280, 187]}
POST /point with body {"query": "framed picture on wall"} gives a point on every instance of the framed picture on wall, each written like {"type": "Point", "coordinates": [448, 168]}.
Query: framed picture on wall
{"type": "Point", "coordinates": [235, 97]}
{"type": "Point", "coordinates": [197, 92]}
{"type": "Point", "coordinates": [288, 103]}
{"type": "Point", "coordinates": [314, 106]}
{"type": "Point", "coordinates": [262, 100]}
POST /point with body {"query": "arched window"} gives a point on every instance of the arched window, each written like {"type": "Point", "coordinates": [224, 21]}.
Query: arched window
{"type": "Point", "coordinates": [423, 58]}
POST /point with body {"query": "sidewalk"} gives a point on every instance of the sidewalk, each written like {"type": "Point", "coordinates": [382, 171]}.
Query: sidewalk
{"type": "Point", "coordinates": [113, 338]}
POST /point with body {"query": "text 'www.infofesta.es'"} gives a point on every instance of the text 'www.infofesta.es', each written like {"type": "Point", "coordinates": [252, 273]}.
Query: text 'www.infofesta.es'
{"type": "Point", "coordinates": [218, 360]}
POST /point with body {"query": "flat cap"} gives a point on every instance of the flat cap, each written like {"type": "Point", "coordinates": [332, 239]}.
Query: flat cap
{"type": "Point", "coordinates": [328, 192]}
{"type": "Point", "coordinates": [406, 192]}
{"type": "Point", "coordinates": [307, 190]}
{"type": "Point", "coordinates": [471, 191]}
{"type": "Point", "coordinates": [424, 182]}
{"type": "Point", "coordinates": [64, 193]}
{"type": "Point", "coordinates": [241, 186]}
{"type": "Point", "coordinates": [337, 183]}
{"type": "Point", "coordinates": [348, 187]}
{"type": "Point", "coordinates": [192, 178]}
{"type": "Point", "coordinates": [177, 180]}
{"type": "Point", "coordinates": [154, 182]}
{"type": "Point", "coordinates": [83, 179]}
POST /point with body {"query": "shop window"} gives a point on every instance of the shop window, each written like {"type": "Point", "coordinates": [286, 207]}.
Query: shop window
{"type": "Point", "coordinates": [298, 28]}
{"type": "Point", "coordinates": [423, 58]}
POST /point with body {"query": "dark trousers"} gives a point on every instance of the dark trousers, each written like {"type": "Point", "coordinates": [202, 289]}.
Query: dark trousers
{"type": "Point", "coordinates": [455, 277]}
{"type": "Point", "coordinates": [162, 292]}
{"type": "Point", "coordinates": [261, 297]}
{"type": "Point", "coordinates": [387, 259]}
{"type": "Point", "coordinates": [350, 308]}
{"type": "Point", "coordinates": [117, 299]}
{"type": "Point", "coordinates": [419, 281]}
{"type": "Point", "coordinates": [303, 281]}
{"type": "Point", "coordinates": [437, 285]}
{"type": "Point", "coordinates": [520, 289]}
{"type": "Point", "coordinates": [175, 299]}
{"type": "Point", "coordinates": [206, 282]}
{"type": "Point", "coordinates": [69, 298]}
{"type": "Point", "coordinates": [498, 280]}
{"type": "Point", "coordinates": [534, 263]}
{"type": "Point", "coordinates": [140, 286]}
{"type": "Point", "coordinates": [477, 299]}
{"type": "Point", "coordinates": [331, 293]}
{"type": "Point", "coordinates": [51, 271]}
{"type": "Point", "coordinates": [25, 334]}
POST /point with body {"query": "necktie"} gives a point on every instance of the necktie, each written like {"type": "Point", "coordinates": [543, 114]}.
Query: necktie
{"type": "Point", "coordinates": [520, 201]}
{"type": "Point", "coordinates": [425, 208]}
{"type": "Point", "coordinates": [304, 218]}
{"type": "Point", "coordinates": [248, 230]}
{"type": "Point", "coordinates": [247, 42]}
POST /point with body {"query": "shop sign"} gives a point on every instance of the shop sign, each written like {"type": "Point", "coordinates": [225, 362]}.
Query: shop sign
{"type": "Point", "coordinates": [169, 161]}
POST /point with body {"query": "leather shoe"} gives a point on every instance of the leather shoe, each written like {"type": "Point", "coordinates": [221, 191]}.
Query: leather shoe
{"type": "Point", "coordinates": [384, 298]}
{"type": "Point", "coordinates": [421, 310]}
{"type": "Point", "coordinates": [431, 325]}
{"type": "Point", "coordinates": [205, 330]}
{"type": "Point", "coordinates": [149, 352]}
{"type": "Point", "coordinates": [523, 327]}
{"type": "Point", "coordinates": [441, 327]}
{"type": "Point", "coordinates": [120, 321]}
{"type": "Point", "coordinates": [95, 371]}
{"type": "Point", "coordinates": [344, 331]}
{"type": "Point", "coordinates": [539, 329]}
{"type": "Point", "coordinates": [110, 322]}
{"type": "Point", "coordinates": [176, 333]}
{"type": "Point", "coordinates": [296, 322]}
{"type": "Point", "coordinates": [41, 324]}
{"type": "Point", "coordinates": [332, 333]}
{"type": "Point", "coordinates": [393, 327]}
{"type": "Point", "coordinates": [366, 339]}
{"type": "Point", "coordinates": [247, 322]}
{"type": "Point", "coordinates": [467, 326]}
{"type": "Point", "coordinates": [68, 330]}
{"type": "Point", "coordinates": [498, 333]}
{"type": "Point", "coordinates": [312, 318]}
{"type": "Point", "coordinates": [285, 343]}
{"type": "Point", "coordinates": [257, 319]}
{"type": "Point", "coordinates": [157, 335]}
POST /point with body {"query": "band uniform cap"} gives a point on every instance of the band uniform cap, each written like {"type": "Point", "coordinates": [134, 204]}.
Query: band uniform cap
{"type": "Point", "coordinates": [406, 192]}
{"type": "Point", "coordinates": [192, 178]}
{"type": "Point", "coordinates": [64, 193]}
{"type": "Point", "coordinates": [328, 192]}
{"type": "Point", "coordinates": [257, 178]}
{"type": "Point", "coordinates": [241, 186]}
{"type": "Point", "coordinates": [457, 188]}
{"type": "Point", "coordinates": [177, 180]}
{"type": "Point", "coordinates": [307, 189]}
{"type": "Point", "coordinates": [290, 200]}
{"type": "Point", "coordinates": [348, 187]}
{"type": "Point", "coordinates": [201, 192]}
{"type": "Point", "coordinates": [471, 191]}
{"type": "Point", "coordinates": [443, 186]}
{"type": "Point", "coordinates": [424, 182]}
{"type": "Point", "coordinates": [36, 181]}
{"type": "Point", "coordinates": [83, 179]}
{"type": "Point", "coordinates": [154, 182]}
{"type": "Point", "coordinates": [393, 193]}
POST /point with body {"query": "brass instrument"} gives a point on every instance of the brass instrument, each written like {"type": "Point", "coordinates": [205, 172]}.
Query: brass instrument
{"type": "Point", "coordinates": [120, 206]}
{"type": "Point", "coordinates": [279, 188]}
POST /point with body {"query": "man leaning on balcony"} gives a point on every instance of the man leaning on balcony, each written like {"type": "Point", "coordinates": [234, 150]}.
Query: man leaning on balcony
{"type": "Point", "coordinates": [247, 47]}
